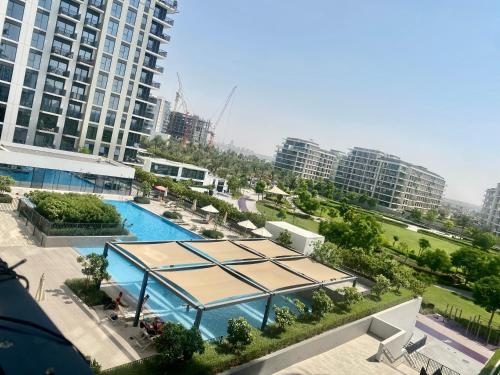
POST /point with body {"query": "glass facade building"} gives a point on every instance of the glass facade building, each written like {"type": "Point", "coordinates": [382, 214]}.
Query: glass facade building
{"type": "Point", "coordinates": [81, 73]}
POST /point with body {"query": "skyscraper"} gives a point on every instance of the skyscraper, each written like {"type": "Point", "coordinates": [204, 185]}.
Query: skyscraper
{"type": "Point", "coordinates": [490, 212]}
{"type": "Point", "coordinates": [189, 127]}
{"type": "Point", "coordinates": [80, 73]}
{"type": "Point", "coordinates": [162, 116]}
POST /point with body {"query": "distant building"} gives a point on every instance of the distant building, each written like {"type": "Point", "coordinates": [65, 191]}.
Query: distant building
{"type": "Point", "coordinates": [490, 212]}
{"type": "Point", "coordinates": [307, 159]}
{"type": "Point", "coordinates": [396, 184]}
{"type": "Point", "coordinates": [162, 116]}
{"type": "Point", "coordinates": [193, 127]}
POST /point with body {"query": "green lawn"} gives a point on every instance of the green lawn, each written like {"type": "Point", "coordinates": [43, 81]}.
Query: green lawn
{"type": "Point", "coordinates": [441, 297]}
{"type": "Point", "coordinates": [270, 214]}
{"type": "Point", "coordinates": [488, 368]}
{"type": "Point", "coordinates": [411, 238]}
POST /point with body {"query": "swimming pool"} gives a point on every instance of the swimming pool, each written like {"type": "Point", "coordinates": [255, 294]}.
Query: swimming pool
{"type": "Point", "coordinates": [148, 226]}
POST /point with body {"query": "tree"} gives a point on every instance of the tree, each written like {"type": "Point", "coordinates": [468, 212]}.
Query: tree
{"type": "Point", "coordinates": [5, 184]}
{"type": "Point", "coordinates": [401, 276]}
{"type": "Point", "coordinates": [468, 260]}
{"type": "Point", "coordinates": [239, 333]}
{"type": "Point", "coordinates": [416, 214]}
{"type": "Point", "coordinates": [283, 317]}
{"type": "Point", "coordinates": [423, 244]}
{"type": "Point", "coordinates": [395, 239]}
{"type": "Point", "coordinates": [94, 268]}
{"type": "Point", "coordinates": [284, 238]}
{"type": "Point", "coordinates": [351, 296]}
{"type": "Point", "coordinates": [448, 224]}
{"type": "Point", "coordinates": [462, 221]}
{"type": "Point", "coordinates": [178, 344]}
{"type": "Point", "coordinates": [382, 285]}
{"type": "Point", "coordinates": [146, 188]}
{"type": "Point", "coordinates": [333, 213]}
{"type": "Point", "coordinates": [321, 303]}
{"type": "Point", "coordinates": [260, 187]}
{"type": "Point", "coordinates": [436, 260]}
{"type": "Point", "coordinates": [281, 214]}
{"type": "Point", "coordinates": [301, 308]}
{"type": "Point", "coordinates": [404, 249]}
{"type": "Point", "coordinates": [486, 294]}
{"type": "Point", "coordinates": [327, 253]}
{"type": "Point", "coordinates": [417, 286]}
{"type": "Point", "coordinates": [233, 183]}
{"type": "Point", "coordinates": [484, 240]}
{"type": "Point", "coordinates": [431, 215]}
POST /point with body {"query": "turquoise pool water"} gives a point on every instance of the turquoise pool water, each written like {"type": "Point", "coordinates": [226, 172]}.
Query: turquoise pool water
{"type": "Point", "coordinates": [148, 226]}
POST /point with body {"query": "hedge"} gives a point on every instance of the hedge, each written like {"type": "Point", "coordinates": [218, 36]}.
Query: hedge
{"type": "Point", "coordinates": [212, 233]}
{"type": "Point", "coordinates": [435, 235]}
{"type": "Point", "coordinates": [141, 200]}
{"type": "Point", "coordinates": [172, 215]}
{"type": "Point", "coordinates": [5, 198]}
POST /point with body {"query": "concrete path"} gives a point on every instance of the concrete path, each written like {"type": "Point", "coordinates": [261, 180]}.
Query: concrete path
{"type": "Point", "coordinates": [464, 293]}
{"type": "Point", "coordinates": [13, 231]}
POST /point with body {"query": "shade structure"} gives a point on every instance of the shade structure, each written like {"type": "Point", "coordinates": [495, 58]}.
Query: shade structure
{"type": "Point", "coordinates": [210, 209]}
{"type": "Point", "coordinates": [209, 284]}
{"type": "Point", "coordinates": [267, 248]}
{"type": "Point", "coordinates": [270, 275]}
{"type": "Point", "coordinates": [247, 224]}
{"type": "Point", "coordinates": [224, 219]}
{"type": "Point", "coordinates": [277, 191]}
{"type": "Point", "coordinates": [160, 188]}
{"type": "Point", "coordinates": [193, 207]}
{"type": "Point", "coordinates": [164, 254]}
{"type": "Point", "coordinates": [314, 270]}
{"type": "Point", "coordinates": [223, 251]}
{"type": "Point", "coordinates": [262, 232]}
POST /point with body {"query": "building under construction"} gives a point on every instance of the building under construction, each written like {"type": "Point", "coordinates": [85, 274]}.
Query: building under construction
{"type": "Point", "coordinates": [188, 128]}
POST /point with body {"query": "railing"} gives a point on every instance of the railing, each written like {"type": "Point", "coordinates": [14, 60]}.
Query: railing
{"type": "Point", "coordinates": [67, 33]}
{"type": "Point", "coordinates": [91, 23]}
{"type": "Point", "coordinates": [170, 3]}
{"type": "Point", "coordinates": [89, 42]}
{"type": "Point", "coordinates": [81, 78]}
{"type": "Point", "coordinates": [97, 4]}
{"type": "Point", "coordinates": [420, 361]}
{"type": "Point", "coordinates": [62, 52]}
{"type": "Point", "coordinates": [68, 12]}
{"type": "Point", "coordinates": [54, 90]}
{"type": "Point", "coordinates": [86, 60]}
{"type": "Point", "coordinates": [54, 129]}
{"type": "Point", "coordinates": [77, 96]}
{"type": "Point", "coordinates": [59, 71]}
{"type": "Point", "coordinates": [27, 210]}
{"type": "Point", "coordinates": [51, 109]}
{"type": "Point", "coordinates": [413, 346]}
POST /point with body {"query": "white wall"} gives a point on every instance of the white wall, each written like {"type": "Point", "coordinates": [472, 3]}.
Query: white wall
{"type": "Point", "coordinates": [300, 242]}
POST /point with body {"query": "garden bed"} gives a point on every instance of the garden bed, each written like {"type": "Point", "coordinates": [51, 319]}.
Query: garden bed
{"type": "Point", "coordinates": [88, 294]}
{"type": "Point", "coordinates": [5, 198]}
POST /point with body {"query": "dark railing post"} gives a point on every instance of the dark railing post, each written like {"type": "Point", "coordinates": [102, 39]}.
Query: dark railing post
{"type": "Point", "coordinates": [266, 312]}
{"type": "Point", "coordinates": [197, 320]}
{"type": "Point", "coordinates": [141, 298]}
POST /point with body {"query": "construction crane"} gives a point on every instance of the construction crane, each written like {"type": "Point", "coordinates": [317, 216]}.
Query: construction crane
{"type": "Point", "coordinates": [180, 105]}
{"type": "Point", "coordinates": [211, 132]}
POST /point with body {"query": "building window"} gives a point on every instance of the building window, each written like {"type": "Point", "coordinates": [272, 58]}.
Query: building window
{"type": "Point", "coordinates": [30, 78]}
{"type": "Point", "coordinates": [38, 39]}
{"type": "Point", "coordinates": [110, 118]}
{"type": "Point", "coordinates": [128, 32]}
{"type": "Point", "coordinates": [20, 135]}
{"type": "Point", "coordinates": [4, 92]}
{"type": "Point", "coordinates": [95, 114]}
{"type": "Point", "coordinates": [41, 20]}
{"type": "Point", "coordinates": [117, 85]}
{"type": "Point", "coordinates": [112, 27]}
{"type": "Point", "coordinates": [113, 101]}
{"type": "Point", "coordinates": [45, 4]}
{"type": "Point", "coordinates": [120, 68]}
{"type": "Point", "coordinates": [124, 51]}
{"type": "Point", "coordinates": [116, 9]}
{"type": "Point", "coordinates": [15, 10]}
{"type": "Point", "coordinates": [98, 98]}
{"type": "Point", "coordinates": [140, 38]}
{"type": "Point", "coordinates": [105, 63]}
{"type": "Point", "coordinates": [91, 132]}
{"type": "Point", "coordinates": [131, 16]}
{"type": "Point", "coordinates": [6, 72]}
{"type": "Point", "coordinates": [8, 51]}
{"type": "Point", "coordinates": [134, 3]}
{"type": "Point", "coordinates": [109, 45]}
{"type": "Point", "coordinates": [106, 135]}
{"type": "Point", "coordinates": [27, 98]}
{"type": "Point", "coordinates": [102, 80]}
{"type": "Point", "coordinates": [11, 30]}
{"type": "Point", "coordinates": [34, 59]}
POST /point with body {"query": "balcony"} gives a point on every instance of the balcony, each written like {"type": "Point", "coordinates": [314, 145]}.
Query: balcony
{"type": "Point", "coordinates": [70, 13]}
{"type": "Point", "coordinates": [54, 90]}
{"type": "Point", "coordinates": [89, 42]}
{"type": "Point", "coordinates": [54, 129]}
{"type": "Point", "coordinates": [170, 3]}
{"type": "Point", "coordinates": [65, 32]}
{"type": "Point", "coordinates": [100, 5]}
{"type": "Point", "coordinates": [74, 114]}
{"type": "Point", "coordinates": [86, 60]}
{"type": "Point", "coordinates": [58, 71]}
{"type": "Point", "coordinates": [92, 23]}
{"type": "Point", "coordinates": [164, 37]}
{"type": "Point", "coordinates": [62, 52]}
{"type": "Point", "coordinates": [145, 114]}
{"type": "Point", "coordinates": [51, 109]}
{"type": "Point", "coordinates": [81, 78]}
{"type": "Point", "coordinates": [77, 96]}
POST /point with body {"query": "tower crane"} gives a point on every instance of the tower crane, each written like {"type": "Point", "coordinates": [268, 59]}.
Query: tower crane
{"type": "Point", "coordinates": [211, 132]}
{"type": "Point", "coordinates": [180, 105]}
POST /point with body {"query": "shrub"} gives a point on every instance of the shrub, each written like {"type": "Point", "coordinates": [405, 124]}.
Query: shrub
{"type": "Point", "coordinates": [212, 233]}
{"type": "Point", "coordinates": [5, 183]}
{"type": "Point", "coordinates": [351, 296]}
{"type": "Point", "coordinates": [284, 238]}
{"type": "Point", "coordinates": [382, 285]}
{"type": "Point", "coordinates": [239, 333]}
{"type": "Point", "coordinates": [95, 366]}
{"type": "Point", "coordinates": [90, 295]}
{"type": "Point", "coordinates": [283, 317]}
{"type": "Point", "coordinates": [94, 268]}
{"type": "Point", "coordinates": [141, 200]}
{"type": "Point", "coordinates": [5, 198]}
{"type": "Point", "coordinates": [301, 308]}
{"type": "Point", "coordinates": [178, 344]}
{"type": "Point", "coordinates": [321, 303]}
{"type": "Point", "coordinates": [172, 215]}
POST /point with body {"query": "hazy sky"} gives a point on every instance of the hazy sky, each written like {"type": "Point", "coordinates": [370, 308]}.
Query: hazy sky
{"type": "Point", "coordinates": [419, 79]}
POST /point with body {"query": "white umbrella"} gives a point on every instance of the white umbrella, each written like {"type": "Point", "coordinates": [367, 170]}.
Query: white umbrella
{"type": "Point", "coordinates": [262, 232]}
{"type": "Point", "coordinates": [40, 292]}
{"type": "Point", "coordinates": [193, 207]}
{"type": "Point", "coordinates": [210, 209]}
{"type": "Point", "coordinates": [277, 191]}
{"type": "Point", "coordinates": [247, 224]}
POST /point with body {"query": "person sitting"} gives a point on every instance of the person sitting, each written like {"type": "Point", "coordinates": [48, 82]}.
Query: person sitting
{"type": "Point", "coordinates": [116, 303]}
{"type": "Point", "coordinates": [152, 327]}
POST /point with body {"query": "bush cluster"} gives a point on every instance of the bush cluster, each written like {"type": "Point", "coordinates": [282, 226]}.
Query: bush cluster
{"type": "Point", "coordinates": [172, 215]}
{"type": "Point", "coordinates": [239, 333]}
{"type": "Point", "coordinates": [5, 198]}
{"type": "Point", "coordinates": [73, 208]}
{"type": "Point", "coordinates": [212, 233]}
{"type": "Point", "coordinates": [141, 200]}
{"type": "Point", "coordinates": [178, 344]}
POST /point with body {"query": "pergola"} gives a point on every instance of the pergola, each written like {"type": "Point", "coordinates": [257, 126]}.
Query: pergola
{"type": "Point", "coordinates": [211, 274]}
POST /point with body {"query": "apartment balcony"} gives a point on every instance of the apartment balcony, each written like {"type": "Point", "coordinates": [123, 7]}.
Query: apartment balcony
{"type": "Point", "coordinates": [51, 109]}
{"type": "Point", "coordinates": [171, 4]}
{"type": "Point", "coordinates": [99, 5]}
{"type": "Point", "coordinates": [58, 71]}
{"type": "Point", "coordinates": [85, 60]}
{"type": "Point", "coordinates": [66, 33]}
{"type": "Point", "coordinates": [54, 90]}
{"type": "Point", "coordinates": [158, 53]}
{"type": "Point", "coordinates": [144, 114]}
{"type": "Point", "coordinates": [81, 78]}
{"type": "Point", "coordinates": [70, 13]}
{"type": "Point", "coordinates": [161, 36]}
{"type": "Point", "coordinates": [54, 129]}
{"type": "Point", "coordinates": [91, 23]}
{"type": "Point", "coordinates": [62, 52]}
{"type": "Point", "coordinates": [77, 96]}
{"type": "Point", "coordinates": [156, 69]}
{"type": "Point", "coordinates": [89, 42]}
{"type": "Point", "coordinates": [141, 129]}
{"type": "Point", "coordinates": [75, 114]}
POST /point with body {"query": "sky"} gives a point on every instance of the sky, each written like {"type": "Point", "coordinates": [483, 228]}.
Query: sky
{"type": "Point", "coordinates": [418, 79]}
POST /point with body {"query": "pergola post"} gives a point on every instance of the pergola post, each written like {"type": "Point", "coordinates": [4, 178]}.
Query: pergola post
{"type": "Point", "coordinates": [197, 320]}
{"type": "Point", "coordinates": [141, 298]}
{"type": "Point", "coordinates": [266, 312]}
{"type": "Point", "coordinates": [106, 248]}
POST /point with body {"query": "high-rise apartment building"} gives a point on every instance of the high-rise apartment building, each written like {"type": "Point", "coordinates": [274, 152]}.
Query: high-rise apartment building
{"type": "Point", "coordinates": [162, 116]}
{"type": "Point", "coordinates": [80, 73]}
{"type": "Point", "coordinates": [491, 209]}
{"type": "Point", "coordinates": [190, 127]}
{"type": "Point", "coordinates": [307, 159]}
{"type": "Point", "coordinates": [396, 184]}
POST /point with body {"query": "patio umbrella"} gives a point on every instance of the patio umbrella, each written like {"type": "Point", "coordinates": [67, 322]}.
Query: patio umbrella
{"type": "Point", "coordinates": [224, 219]}
{"type": "Point", "coordinates": [247, 224]}
{"type": "Point", "coordinates": [40, 292]}
{"type": "Point", "coordinates": [193, 207]}
{"type": "Point", "coordinates": [210, 209]}
{"type": "Point", "coordinates": [262, 232]}
{"type": "Point", "coordinates": [277, 191]}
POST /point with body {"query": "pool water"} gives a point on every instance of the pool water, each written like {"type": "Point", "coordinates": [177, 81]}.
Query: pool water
{"type": "Point", "coordinates": [148, 226]}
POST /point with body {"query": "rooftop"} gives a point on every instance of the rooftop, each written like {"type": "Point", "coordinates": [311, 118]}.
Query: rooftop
{"type": "Point", "coordinates": [295, 229]}
{"type": "Point", "coordinates": [174, 163]}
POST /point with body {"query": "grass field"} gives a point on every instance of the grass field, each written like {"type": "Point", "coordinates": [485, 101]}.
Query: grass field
{"type": "Point", "coordinates": [270, 214]}
{"type": "Point", "coordinates": [488, 368]}
{"type": "Point", "coordinates": [441, 297]}
{"type": "Point", "coordinates": [411, 238]}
